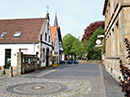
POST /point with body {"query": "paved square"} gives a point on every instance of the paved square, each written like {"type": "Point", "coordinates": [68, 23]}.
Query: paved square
{"type": "Point", "coordinates": [68, 80]}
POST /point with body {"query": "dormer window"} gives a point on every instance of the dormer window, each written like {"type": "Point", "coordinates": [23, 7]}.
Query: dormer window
{"type": "Point", "coordinates": [17, 34]}
{"type": "Point", "coordinates": [3, 34]}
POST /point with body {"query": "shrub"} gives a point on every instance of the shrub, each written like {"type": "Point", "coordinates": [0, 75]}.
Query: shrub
{"type": "Point", "coordinates": [125, 81]}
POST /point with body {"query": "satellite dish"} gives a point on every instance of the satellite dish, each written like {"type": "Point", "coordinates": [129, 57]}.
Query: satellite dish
{"type": "Point", "coordinates": [98, 42]}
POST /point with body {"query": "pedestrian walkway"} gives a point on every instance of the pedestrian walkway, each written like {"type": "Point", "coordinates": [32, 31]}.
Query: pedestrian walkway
{"type": "Point", "coordinates": [112, 88]}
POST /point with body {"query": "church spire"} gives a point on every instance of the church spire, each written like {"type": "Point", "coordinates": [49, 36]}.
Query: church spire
{"type": "Point", "coordinates": [56, 20]}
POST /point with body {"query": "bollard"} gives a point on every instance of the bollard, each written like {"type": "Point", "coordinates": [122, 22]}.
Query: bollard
{"type": "Point", "coordinates": [10, 71]}
{"type": "Point", "coordinates": [3, 70]}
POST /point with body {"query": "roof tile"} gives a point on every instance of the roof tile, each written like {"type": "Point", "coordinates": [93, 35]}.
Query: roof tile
{"type": "Point", "coordinates": [30, 29]}
{"type": "Point", "coordinates": [53, 33]}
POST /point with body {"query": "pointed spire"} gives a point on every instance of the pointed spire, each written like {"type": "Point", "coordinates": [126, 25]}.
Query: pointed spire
{"type": "Point", "coordinates": [47, 8]}
{"type": "Point", "coordinates": [47, 15]}
{"type": "Point", "coordinates": [56, 20]}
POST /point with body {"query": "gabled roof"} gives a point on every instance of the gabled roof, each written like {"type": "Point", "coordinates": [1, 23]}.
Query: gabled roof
{"type": "Point", "coordinates": [53, 30]}
{"type": "Point", "coordinates": [30, 29]}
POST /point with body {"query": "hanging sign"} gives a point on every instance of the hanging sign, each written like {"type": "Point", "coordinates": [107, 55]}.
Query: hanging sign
{"type": "Point", "coordinates": [98, 42]}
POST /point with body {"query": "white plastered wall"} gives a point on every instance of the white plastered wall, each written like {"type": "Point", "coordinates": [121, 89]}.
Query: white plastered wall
{"type": "Point", "coordinates": [45, 46]}
{"type": "Point", "coordinates": [31, 49]}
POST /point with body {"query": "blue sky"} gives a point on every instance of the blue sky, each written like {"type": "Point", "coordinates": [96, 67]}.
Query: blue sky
{"type": "Point", "coordinates": [73, 15]}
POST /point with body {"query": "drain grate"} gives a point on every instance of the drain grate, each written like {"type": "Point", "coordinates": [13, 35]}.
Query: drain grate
{"type": "Point", "coordinates": [37, 87]}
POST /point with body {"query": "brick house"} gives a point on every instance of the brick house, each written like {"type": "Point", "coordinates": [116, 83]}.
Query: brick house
{"type": "Point", "coordinates": [117, 28]}
{"type": "Point", "coordinates": [30, 35]}
{"type": "Point", "coordinates": [57, 40]}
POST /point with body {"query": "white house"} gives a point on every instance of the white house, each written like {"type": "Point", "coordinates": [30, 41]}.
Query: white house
{"type": "Point", "coordinates": [57, 40]}
{"type": "Point", "coordinates": [30, 35]}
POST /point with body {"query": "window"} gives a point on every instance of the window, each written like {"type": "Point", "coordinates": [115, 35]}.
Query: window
{"type": "Point", "coordinates": [56, 53]}
{"type": "Point", "coordinates": [45, 36]}
{"type": "Point", "coordinates": [49, 38]}
{"type": "Point", "coordinates": [48, 27]}
{"type": "Point", "coordinates": [3, 34]}
{"type": "Point", "coordinates": [17, 34]}
{"type": "Point", "coordinates": [43, 55]}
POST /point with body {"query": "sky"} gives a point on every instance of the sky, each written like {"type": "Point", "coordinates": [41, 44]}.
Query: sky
{"type": "Point", "coordinates": [73, 15]}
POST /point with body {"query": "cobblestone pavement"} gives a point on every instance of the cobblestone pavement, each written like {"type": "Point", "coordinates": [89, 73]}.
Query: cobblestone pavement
{"type": "Point", "coordinates": [68, 80]}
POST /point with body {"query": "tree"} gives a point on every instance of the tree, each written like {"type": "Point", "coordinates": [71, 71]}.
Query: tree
{"type": "Point", "coordinates": [72, 46]}
{"type": "Point", "coordinates": [84, 43]}
{"type": "Point", "coordinates": [94, 53]}
{"type": "Point", "coordinates": [77, 48]}
{"type": "Point", "coordinates": [68, 41]}
{"type": "Point", "coordinates": [88, 32]}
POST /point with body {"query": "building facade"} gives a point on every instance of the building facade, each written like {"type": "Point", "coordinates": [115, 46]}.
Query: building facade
{"type": "Point", "coordinates": [57, 40]}
{"type": "Point", "coordinates": [29, 36]}
{"type": "Point", "coordinates": [117, 28]}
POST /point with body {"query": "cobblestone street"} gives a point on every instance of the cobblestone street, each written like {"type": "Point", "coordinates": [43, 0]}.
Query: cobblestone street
{"type": "Point", "coordinates": [68, 80]}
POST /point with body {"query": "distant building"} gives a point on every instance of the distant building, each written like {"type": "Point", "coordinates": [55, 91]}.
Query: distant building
{"type": "Point", "coordinates": [117, 28]}
{"type": "Point", "coordinates": [57, 39]}
{"type": "Point", "coordinates": [31, 36]}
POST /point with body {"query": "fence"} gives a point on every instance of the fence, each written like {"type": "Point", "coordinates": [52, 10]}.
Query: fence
{"type": "Point", "coordinates": [26, 62]}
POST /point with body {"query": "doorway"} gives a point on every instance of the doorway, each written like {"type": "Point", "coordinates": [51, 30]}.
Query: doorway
{"type": "Point", "coordinates": [7, 58]}
{"type": "Point", "coordinates": [47, 57]}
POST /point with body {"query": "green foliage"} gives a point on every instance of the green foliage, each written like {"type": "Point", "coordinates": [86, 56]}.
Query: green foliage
{"type": "Point", "coordinates": [72, 45]}
{"type": "Point", "coordinates": [77, 48]}
{"type": "Point", "coordinates": [94, 53]}
{"type": "Point", "coordinates": [68, 41]}
{"type": "Point", "coordinates": [84, 43]}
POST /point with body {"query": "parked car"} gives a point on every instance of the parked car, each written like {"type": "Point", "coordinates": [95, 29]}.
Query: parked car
{"type": "Point", "coordinates": [69, 62]}
{"type": "Point", "coordinates": [84, 58]}
{"type": "Point", "coordinates": [62, 62]}
{"type": "Point", "coordinates": [75, 62]}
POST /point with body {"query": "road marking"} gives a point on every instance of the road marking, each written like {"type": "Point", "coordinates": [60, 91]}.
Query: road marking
{"type": "Point", "coordinates": [50, 71]}
{"type": "Point", "coordinates": [46, 73]}
{"type": "Point", "coordinates": [102, 82]}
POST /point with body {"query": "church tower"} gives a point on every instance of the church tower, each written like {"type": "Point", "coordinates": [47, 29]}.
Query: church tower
{"type": "Point", "coordinates": [56, 20]}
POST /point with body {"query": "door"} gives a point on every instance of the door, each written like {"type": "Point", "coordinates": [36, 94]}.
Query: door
{"type": "Point", "coordinates": [7, 58]}
{"type": "Point", "coordinates": [47, 57]}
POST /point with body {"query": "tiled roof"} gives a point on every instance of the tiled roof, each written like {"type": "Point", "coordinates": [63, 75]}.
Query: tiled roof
{"type": "Point", "coordinates": [53, 33]}
{"type": "Point", "coordinates": [30, 29]}
{"type": "Point", "coordinates": [105, 6]}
